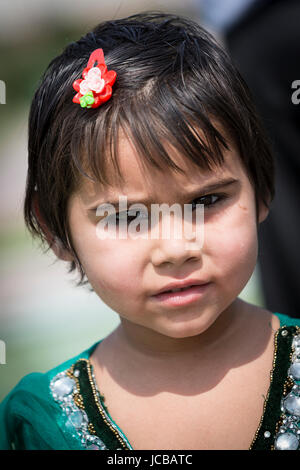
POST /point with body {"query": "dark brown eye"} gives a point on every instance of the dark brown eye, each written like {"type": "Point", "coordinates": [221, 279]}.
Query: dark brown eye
{"type": "Point", "coordinates": [209, 200]}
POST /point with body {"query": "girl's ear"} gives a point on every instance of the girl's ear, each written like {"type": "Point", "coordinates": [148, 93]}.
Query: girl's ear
{"type": "Point", "coordinates": [54, 242]}
{"type": "Point", "coordinates": [60, 251]}
{"type": "Point", "coordinates": [263, 212]}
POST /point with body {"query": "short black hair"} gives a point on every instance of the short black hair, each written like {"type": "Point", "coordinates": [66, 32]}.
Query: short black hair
{"type": "Point", "coordinates": [173, 79]}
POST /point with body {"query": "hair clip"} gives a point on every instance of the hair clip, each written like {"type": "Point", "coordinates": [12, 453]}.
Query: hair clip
{"type": "Point", "coordinates": [96, 85]}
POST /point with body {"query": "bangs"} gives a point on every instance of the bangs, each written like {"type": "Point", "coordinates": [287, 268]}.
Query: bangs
{"type": "Point", "coordinates": [151, 119]}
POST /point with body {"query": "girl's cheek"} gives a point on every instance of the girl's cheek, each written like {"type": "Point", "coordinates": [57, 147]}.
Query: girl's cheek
{"type": "Point", "coordinates": [234, 238]}
{"type": "Point", "coordinates": [114, 266]}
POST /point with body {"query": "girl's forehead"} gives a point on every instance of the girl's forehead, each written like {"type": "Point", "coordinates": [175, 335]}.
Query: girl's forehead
{"type": "Point", "coordinates": [141, 179]}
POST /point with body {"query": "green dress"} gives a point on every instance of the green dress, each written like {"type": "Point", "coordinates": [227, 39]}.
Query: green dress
{"type": "Point", "coordinates": [63, 409]}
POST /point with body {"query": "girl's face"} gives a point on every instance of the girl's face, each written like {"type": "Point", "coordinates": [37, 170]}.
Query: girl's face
{"type": "Point", "coordinates": [126, 272]}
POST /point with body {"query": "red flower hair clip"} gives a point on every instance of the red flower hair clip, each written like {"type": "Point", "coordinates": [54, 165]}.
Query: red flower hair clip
{"type": "Point", "coordinates": [96, 85]}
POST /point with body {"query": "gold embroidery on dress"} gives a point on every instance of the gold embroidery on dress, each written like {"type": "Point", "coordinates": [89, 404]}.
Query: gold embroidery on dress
{"type": "Point", "coordinates": [267, 396]}
{"type": "Point", "coordinates": [99, 405]}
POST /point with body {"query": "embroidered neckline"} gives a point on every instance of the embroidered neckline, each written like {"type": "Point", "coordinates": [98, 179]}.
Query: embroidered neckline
{"type": "Point", "coordinates": [270, 429]}
{"type": "Point", "coordinates": [94, 403]}
{"type": "Point", "coordinates": [87, 416]}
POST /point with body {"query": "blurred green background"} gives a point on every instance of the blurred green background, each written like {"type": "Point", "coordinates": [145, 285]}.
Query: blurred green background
{"type": "Point", "coordinates": [44, 318]}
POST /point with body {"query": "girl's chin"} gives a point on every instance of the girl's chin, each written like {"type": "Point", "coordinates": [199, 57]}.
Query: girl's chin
{"type": "Point", "coordinates": [181, 331]}
{"type": "Point", "coordinates": [184, 327]}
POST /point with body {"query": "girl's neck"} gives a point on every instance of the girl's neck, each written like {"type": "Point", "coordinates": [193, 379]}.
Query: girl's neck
{"type": "Point", "coordinates": [142, 343]}
{"type": "Point", "coordinates": [145, 362]}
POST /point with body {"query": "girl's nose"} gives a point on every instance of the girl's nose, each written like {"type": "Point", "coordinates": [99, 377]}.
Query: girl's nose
{"type": "Point", "coordinates": [172, 252]}
{"type": "Point", "coordinates": [177, 249]}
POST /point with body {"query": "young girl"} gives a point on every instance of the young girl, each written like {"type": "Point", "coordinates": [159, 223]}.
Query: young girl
{"type": "Point", "coordinates": [151, 108]}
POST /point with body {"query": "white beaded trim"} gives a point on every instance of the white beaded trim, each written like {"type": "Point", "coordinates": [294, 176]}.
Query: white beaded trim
{"type": "Point", "coordinates": [288, 437]}
{"type": "Point", "coordinates": [62, 389]}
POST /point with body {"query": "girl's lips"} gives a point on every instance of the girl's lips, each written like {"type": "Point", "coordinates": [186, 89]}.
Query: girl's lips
{"type": "Point", "coordinates": [184, 297]}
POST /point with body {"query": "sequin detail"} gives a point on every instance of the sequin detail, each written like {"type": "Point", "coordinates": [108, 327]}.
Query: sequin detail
{"type": "Point", "coordinates": [65, 393]}
{"type": "Point", "coordinates": [288, 435]}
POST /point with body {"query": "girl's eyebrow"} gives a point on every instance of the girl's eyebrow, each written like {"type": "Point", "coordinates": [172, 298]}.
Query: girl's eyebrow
{"type": "Point", "coordinates": [222, 183]}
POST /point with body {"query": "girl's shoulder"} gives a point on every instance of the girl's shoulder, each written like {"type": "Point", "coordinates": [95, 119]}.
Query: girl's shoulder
{"type": "Point", "coordinates": [29, 417]}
